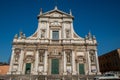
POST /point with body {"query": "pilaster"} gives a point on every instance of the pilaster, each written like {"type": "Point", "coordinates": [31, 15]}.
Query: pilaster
{"type": "Point", "coordinates": [64, 63]}
{"type": "Point", "coordinates": [45, 62]}
{"type": "Point", "coordinates": [36, 62]}
{"type": "Point", "coordinates": [89, 63]}
{"type": "Point", "coordinates": [11, 61]}
{"type": "Point", "coordinates": [97, 63]}
{"type": "Point", "coordinates": [73, 63]}
{"type": "Point", "coordinates": [20, 61]}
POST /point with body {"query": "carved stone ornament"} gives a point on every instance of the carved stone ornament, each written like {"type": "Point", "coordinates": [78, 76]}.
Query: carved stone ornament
{"type": "Point", "coordinates": [56, 15]}
{"type": "Point", "coordinates": [55, 23]}
{"type": "Point", "coordinates": [29, 59]}
{"type": "Point", "coordinates": [81, 59]}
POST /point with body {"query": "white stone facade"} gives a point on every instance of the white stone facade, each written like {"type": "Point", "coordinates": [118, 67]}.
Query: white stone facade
{"type": "Point", "coordinates": [54, 48]}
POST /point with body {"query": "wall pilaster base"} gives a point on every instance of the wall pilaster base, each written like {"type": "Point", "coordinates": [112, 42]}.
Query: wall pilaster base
{"type": "Point", "coordinates": [44, 73]}
{"type": "Point", "coordinates": [65, 73]}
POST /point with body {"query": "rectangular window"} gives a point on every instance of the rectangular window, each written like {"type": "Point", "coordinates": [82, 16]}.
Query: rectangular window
{"type": "Point", "coordinates": [55, 35]}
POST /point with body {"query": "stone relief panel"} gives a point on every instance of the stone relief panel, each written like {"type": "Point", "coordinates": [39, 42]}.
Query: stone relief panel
{"type": "Point", "coordinates": [40, 69]}
{"type": "Point", "coordinates": [29, 57]}
{"type": "Point", "coordinates": [55, 23]}
{"type": "Point", "coordinates": [80, 57]}
{"type": "Point", "coordinates": [69, 70]}
{"type": "Point", "coordinates": [55, 52]}
{"type": "Point", "coordinates": [56, 14]}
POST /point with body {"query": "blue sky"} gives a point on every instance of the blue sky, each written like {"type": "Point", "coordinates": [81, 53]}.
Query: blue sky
{"type": "Point", "coordinates": [101, 17]}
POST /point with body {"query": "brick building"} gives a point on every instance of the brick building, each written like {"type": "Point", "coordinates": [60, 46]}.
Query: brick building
{"type": "Point", "coordinates": [110, 61]}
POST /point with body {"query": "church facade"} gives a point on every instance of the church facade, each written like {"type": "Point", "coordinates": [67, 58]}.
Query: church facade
{"type": "Point", "coordinates": [54, 48]}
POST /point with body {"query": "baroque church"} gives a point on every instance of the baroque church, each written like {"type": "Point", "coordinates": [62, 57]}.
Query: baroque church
{"type": "Point", "coordinates": [54, 48]}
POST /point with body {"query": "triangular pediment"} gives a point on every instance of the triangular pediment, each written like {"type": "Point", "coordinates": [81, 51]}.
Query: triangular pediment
{"type": "Point", "coordinates": [55, 13]}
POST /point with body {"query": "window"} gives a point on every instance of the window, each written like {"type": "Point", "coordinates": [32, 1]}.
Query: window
{"type": "Point", "coordinates": [55, 35]}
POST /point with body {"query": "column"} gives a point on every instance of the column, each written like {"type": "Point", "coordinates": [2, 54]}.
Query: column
{"type": "Point", "coordinates": [64, 63]}
{"type": "Point", "coordinates": [73, 63]}
{"type": "Point", "coordinates": [45, 62]}
{"type": "Point", "coordinates": [20, 61]}
{"type": "Point", "coordinates": [36, 61]}
{"type": "Point", "coordinates": [11, 61]}
{"type": "Point", "coordinates": [97, 63]}
{"type": "Point", "coordinates": [89, 63]}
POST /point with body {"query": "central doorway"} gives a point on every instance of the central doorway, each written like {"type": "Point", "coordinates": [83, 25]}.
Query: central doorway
{"type": "Point", "coordinates": [55, 66]}
{"type": "Point", "coordinates": [28, 68]}
{"type": "Point", "coordinates": [81, 69]}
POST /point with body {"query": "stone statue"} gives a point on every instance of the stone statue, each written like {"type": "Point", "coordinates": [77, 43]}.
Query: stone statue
{"type": "Point", "coordinates": [92, 56]}
{"type": "Point", "coordinates": [42, 33]}
{"type": "Point", "coordinates": [67, 33]}
{"type": "Point", "coordinates": [68, 57]}
{"type": "Point", "coordinates": [41, 57]}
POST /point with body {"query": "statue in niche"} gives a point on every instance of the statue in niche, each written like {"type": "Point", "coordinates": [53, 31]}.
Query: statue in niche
{"type": "Point", "coordinates": [68, 56]}
{"type": "Point", "coordinates": [16, 57]}
{"type": "Point", "coordinates": [41, 52]}
{"type": "Point", "coordinates": [41, 57]}
{"type": "Point", "coordinates": [92, 56]}
{"type": "Point", "coordinates": [17, 52]}
{"type": "Point", "coordinates": [43, 33]}
{"type": "Point", "coordinates": [67, 33]}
